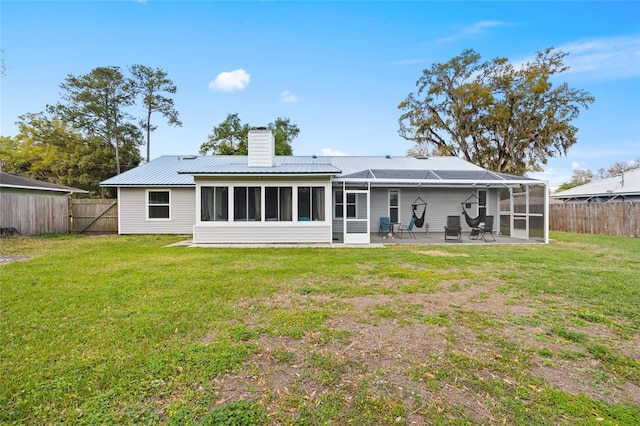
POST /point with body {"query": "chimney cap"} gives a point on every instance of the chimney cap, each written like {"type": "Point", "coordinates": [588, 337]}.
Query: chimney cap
{"type": "Point", "coordinates": [261, 128]}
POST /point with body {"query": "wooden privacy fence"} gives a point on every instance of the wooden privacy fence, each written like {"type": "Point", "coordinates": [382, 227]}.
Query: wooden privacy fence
{"type": "Point", "coordinates": [95, 216]}
{"type": "Point", "coordinates": [34, 214]}
{"type": "Point", "coordinates": [620, 219]}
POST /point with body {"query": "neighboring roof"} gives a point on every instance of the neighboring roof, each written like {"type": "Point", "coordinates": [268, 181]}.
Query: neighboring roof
{"type": "Point", "coordinates": [627, 184]}
{"type": "Point", "coordinates": [179, 170]}
{"type": "Point", "coordinates": [8, 180]}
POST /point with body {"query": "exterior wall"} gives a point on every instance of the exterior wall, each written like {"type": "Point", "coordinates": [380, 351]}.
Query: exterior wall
{"type": "Point", "coordinates": [442, 202]}
{"type": "Point", "coordinates": [263, 232]}
{"type": "Point", "coordinates": [205, 232]}
{"type": "Point", "coordinates": [132, 212]}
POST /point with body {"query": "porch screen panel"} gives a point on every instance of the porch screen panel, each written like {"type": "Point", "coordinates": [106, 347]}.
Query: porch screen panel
{"type": "Point", "coordinates": [304, 203]}
{"type": "Point", "coordinates": [271, 203]}
{"type": "Point", "coordinates": [253, 212]}
{"type": "Point", "coordinates": [222, 204]}
{"type": "Point", "coordinates": [339, 204]}
{"type": "Point", "coordinates": [286, 204]}
{"type": "Point", "coordinates": [505, 212]}
{"type": "Point", "coordinates": [239, 203]}
{"type": "Point", "coordinates": [246, 203]}
{"type": "Point", "coordinates": [214, 203]}
{"type": "Point", "coordinates": [311, 203]}
{"type": "Point", "coordinates": [278, 203]}
{"type": "Point", "coordinates": [317, 203]}
{"type": "Point", "coordinates": [536, 212]}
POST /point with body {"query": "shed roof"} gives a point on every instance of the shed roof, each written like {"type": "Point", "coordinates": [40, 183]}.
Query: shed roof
{"type": "Point", "coordinates": [626, 184]}
{"type": "Point", "coordinates": [8, 180]}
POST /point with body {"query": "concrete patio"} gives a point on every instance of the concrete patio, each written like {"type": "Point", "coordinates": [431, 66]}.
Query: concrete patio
{"type": "Point", "coordinates": [422, 237]}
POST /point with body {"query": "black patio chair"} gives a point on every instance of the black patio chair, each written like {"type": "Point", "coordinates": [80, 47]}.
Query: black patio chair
{"type": "Point", "coordinates": [453, 230]}
{"type": "Point", "coordinates": [487, 228]}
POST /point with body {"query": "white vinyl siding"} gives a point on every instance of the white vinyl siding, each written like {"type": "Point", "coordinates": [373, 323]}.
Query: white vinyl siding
{"type": "Point", "coordinates": [132, 212]}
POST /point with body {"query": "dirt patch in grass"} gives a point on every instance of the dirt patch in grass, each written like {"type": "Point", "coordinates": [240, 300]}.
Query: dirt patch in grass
{"type": "Point", "coordinates": [6, 258]}
{"type": "Point", "coordinates": [420, 350]}
{"type": "Point", "coordinates": [587, 377]}
{"type": "Point", "coordinates": [440, 253]}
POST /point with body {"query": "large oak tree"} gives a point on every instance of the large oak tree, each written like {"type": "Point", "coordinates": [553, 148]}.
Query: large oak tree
{"type": "Point", "coordinates": [500, 116]}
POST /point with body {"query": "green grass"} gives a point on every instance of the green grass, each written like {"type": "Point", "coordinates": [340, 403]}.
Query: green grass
{"type": "Point", "coordinates": [126, 330]}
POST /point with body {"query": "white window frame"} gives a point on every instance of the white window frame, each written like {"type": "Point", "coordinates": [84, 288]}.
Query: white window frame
{"type": "Point", "coordinates": [148, 205]}
{"type": "Point", "coordinates": [389, 203]}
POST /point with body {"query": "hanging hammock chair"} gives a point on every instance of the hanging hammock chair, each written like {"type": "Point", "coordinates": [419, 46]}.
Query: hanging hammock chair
{"type": "Point", "coordinates": [419, 220]}
{"type": "Point", "coordinates": [473, 222]}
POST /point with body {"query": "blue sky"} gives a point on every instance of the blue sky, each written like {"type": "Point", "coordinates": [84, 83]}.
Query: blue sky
{"type": "Point", "coordinates": [337, 69]}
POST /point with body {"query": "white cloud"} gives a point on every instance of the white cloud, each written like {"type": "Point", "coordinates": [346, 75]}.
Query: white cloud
{"type": "Point", "coordinates": [476, 29]}
{"type": "Point", "coordinates": [575, 165]}
{"type": "Point", "coordinates": [332, 152]}
{"type": "Point", "coordinates": [230, 81]}
{"type": "Point", "coordinates": [599, 59]}
{"type": "Point", "coordinates": [288, 97]}
{"type": "Point", "coordinates": [605, 57]}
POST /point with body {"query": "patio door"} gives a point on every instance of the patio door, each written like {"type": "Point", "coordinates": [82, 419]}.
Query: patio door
{"type": "Point", "coordinates": [520, 225]}
{"type": "Point", "coordinates": [356, 224]}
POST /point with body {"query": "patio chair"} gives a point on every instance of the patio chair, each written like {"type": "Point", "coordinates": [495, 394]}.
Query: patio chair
{"type": "Point", "coordinates": [385, 226]}
{"type": "Point", "coordinates": [487, 228]}
{"type": "Point", "coordinates": [453, 229]}
{"type": "Point", "coordinates": [407, 228]}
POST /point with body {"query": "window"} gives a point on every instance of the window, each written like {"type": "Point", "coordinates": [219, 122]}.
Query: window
{"type": "Point", "coordinates": [482, 205]}
{"type": "Point", "coordinates": [351, 205]}
{"type": "Point", "coordinates": [214, 203]}
{"type": "Point", "coordinates": [394, 205]}
{"type": "Point", "coordinates": [310, 203]}
{"type": "Point", "coordinates": [278, 203]}
{"type": "Point", "coordinates": [158, 205]}
{"type": "Point", "coordinates": [246, 203]}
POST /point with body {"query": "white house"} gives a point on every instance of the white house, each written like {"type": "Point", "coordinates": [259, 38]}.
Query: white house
{"type": "Point", "coordinates": [264, 198]}
{"type": "Point", "coordinates": [621, 188]}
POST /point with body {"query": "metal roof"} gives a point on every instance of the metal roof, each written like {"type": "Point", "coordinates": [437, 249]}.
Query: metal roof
{"type": "Point", "coordinates": [627, 184]}
{"type": "Point", "coordinates": [179, 170]}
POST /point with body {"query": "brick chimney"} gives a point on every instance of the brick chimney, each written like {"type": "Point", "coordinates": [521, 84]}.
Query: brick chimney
{"type": "Point", "coordinates": [262, 148]}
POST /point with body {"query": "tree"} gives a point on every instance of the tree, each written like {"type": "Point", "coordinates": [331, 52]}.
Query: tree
{"type": "Point", "coordinates": [284, 133]}
{"type": "Point", "coordinates": [96, 102]}
{"type": "Point", "coordinates": [231, 137]}
{"type": "Point", "coordinates": [227, 137]}
{"type": "Point", "coordinates": [152, 84]}
{"type": "Point", "coordinates": [579, 177]}
{"type": "Point", "coordinates": [51, 150]}
{"type": "Point", "coordinates": [493, 114]}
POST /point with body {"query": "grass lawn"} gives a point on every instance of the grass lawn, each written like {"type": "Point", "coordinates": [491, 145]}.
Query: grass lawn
{"type": "Point", "coordinates": [124, 329]}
